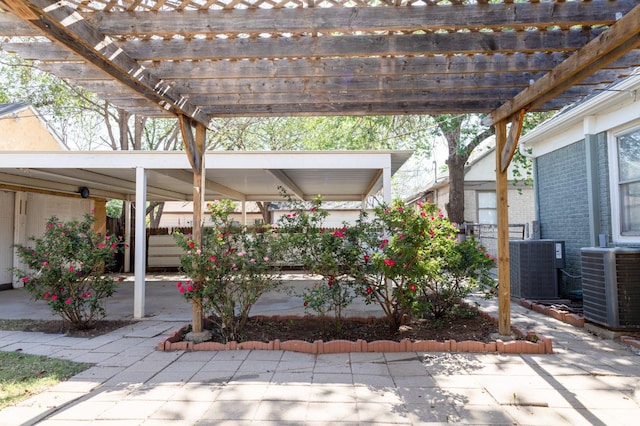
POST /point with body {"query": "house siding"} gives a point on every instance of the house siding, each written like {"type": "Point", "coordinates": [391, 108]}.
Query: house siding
{"type": "Point", "coordinates": [563, 203]}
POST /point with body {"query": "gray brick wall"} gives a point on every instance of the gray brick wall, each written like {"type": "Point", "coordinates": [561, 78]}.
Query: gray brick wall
{"type": "Point", "coordinates": [563, 204]}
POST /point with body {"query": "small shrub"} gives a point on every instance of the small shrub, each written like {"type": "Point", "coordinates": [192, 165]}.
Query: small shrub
{"type": "Point", "coordinates": [230, 270]}
{"type": "Point", "coordinates": [65, 268]}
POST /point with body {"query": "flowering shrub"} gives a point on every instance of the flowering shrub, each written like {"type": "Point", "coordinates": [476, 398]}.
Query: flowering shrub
{"type": "Point", "coordinates": [329, 253]}
{"type": "Point", "coordinates": [406, 260]}
{"type": "Point", "coordinates": [65, 268]}
{"type": "Point", "coordinates": [417, 266]}
{"type": "Point", "coordinates": [230, 270]}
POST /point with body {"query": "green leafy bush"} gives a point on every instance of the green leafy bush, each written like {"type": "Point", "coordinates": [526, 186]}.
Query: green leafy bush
{"type": "Point", "coordinates": [231, 269]}
{"type": "Point", "coordinates": [65, 267]}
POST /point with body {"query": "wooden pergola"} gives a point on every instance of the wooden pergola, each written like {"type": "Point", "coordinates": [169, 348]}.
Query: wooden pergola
{"type": "Point", "coordinates": [201, 59]}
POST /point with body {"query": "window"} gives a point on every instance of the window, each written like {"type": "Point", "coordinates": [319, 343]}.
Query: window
{"type": "Point", "coordinates": [487, 208]}
{"type": "Point", "coordinates": [626, 185]}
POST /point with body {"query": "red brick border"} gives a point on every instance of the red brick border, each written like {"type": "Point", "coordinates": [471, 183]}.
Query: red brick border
{"type": "Point", "coordinates": [559, 314]}
{"type": "Point", "coordinates": [531, 344]}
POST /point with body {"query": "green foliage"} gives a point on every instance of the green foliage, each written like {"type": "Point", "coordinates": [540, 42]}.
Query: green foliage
{"type": "Point", "coordinates": [406, 260]}
{"type": "Point", "coordinates": [231, 269]}
{"type": "Point", "coordinates": [65, 268]}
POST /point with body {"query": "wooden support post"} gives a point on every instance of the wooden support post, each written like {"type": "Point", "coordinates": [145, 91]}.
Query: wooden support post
{"type": "Point", "coordinates": [504, 285]}
{"type": "Point", "coordinates": [195, 151]}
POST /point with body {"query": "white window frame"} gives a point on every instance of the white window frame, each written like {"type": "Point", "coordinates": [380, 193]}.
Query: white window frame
{"type": "Point", "coordinates": [494, 208]}
{"type": "Point", "coordinates": [614, 190]}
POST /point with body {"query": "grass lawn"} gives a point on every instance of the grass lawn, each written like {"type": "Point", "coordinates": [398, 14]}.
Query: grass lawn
{"type": "Point", "coordinates": [23, 375]}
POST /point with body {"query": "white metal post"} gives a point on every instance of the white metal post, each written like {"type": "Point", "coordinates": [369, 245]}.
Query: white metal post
{"type": "Point", "coordinates": [141, 246]}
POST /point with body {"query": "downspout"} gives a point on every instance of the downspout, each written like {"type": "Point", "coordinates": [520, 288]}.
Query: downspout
{"type": "Point", "coordinates": [535, 231]}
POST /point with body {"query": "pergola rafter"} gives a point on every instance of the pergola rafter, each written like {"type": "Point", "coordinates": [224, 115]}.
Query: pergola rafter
{"type": "Point", "coordinates": [201, 59]}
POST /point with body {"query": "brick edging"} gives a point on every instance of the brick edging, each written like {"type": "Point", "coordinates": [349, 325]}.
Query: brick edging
{"type": "Point", "coordinates": [559, 314]}
{"type": "Point", "coordinates": [543, 345]}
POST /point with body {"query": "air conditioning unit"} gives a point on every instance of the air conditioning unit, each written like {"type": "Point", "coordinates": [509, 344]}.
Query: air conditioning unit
{"type": "Point", "coordinates": [611, 286]}
{"type": "Point", "coordinates": [535, 268]}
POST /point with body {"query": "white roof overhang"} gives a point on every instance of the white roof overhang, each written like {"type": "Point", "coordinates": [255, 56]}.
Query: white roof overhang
{"type": "Point", "coordinates": [241, 176]}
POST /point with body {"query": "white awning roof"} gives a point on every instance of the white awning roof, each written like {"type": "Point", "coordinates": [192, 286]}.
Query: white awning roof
{"type": "Point", "coordinates": [248, 176]}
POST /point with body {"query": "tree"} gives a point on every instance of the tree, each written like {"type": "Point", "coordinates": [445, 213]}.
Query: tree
{"type": "Point", "coordinates": [463, 133]}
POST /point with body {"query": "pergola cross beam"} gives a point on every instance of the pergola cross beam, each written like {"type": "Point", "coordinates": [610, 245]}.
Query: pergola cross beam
{"type": "Point", "coordinates": [65, 25]}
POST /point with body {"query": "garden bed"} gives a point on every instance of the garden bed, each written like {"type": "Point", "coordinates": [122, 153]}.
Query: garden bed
{"type": "Point", "coordinates": [461, 333]}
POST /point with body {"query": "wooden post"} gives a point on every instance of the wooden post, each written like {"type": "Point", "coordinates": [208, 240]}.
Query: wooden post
{"type": "Point", "coordinates": [504, 285]}
{"type": "Point", "coordinates": [195, 151]}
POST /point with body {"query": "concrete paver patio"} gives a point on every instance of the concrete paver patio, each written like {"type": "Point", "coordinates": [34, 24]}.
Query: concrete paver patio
{"type": "Point", "coordinates": [587, 381]}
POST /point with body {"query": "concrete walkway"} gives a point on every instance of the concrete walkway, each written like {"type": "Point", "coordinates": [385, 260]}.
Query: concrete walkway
{"type": "Point", "coordinates": [587, 381]}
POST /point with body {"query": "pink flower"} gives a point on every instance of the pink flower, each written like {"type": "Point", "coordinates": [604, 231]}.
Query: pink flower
{"type": "Point", "coordinates": [71, 269]}
{"type": "Point", "coordinates": [114, 246]}
{"type": "Point", "coordinates": [389, 262]}
{"type": "Point", "coordinates": [423, 214]}
{"type": "Point", "coordinates": [487, 255]}
{"type": "Point", "coordinates": [45, 263]}
{"type": "Point", "coordinates": [313, 209]}
{"type": "Point", "coordinates": [182, 290]}
{"type": "Point", "coordinates": [412, 287]}
{"type": "Point", "coordinates": [338, 234]}
{"type": "Point", "coordinates": [68, 301]}
{"type": "Point", "coordinates": [49, 225]}
{"type": "Point", "coordinates": [25, 279]}
{"type": "Point", "coordinates": [495, 260]}
{"type": "Point", "coordinates": [101, 245]}
{"type": "Point", "coordinates": [252, 260]}
{"type": "Point", "coordinates": [46, 295]}
{"type": "Point", "coordinates": [401, 236]}
{"type": "Point", "coordinates": [266, 258]}
{"type": "Point", "coordinates": [400, 208]}
{"type": "Point", "coordinates": [54, 297]}
{"type": "Point", "coordinates": [179, 284]}
{"type": "Point", "coordinates": [212, 258]}
{"type": "Point", "coordinates": [190, 288]}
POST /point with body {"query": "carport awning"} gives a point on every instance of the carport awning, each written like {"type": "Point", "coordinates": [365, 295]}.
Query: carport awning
{"type": "Point", "coordinates": [241, 176]}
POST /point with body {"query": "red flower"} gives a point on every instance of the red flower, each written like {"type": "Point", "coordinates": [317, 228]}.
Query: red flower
{"type": "Point", "coordinates": [389, 262]}
{"type": "Point", "coordinates": [190, 288]}
{"type": "Point", "coordinates": [305, 303]}
{"type": "Point", "coordinates": [182, 290]}
{"type": "Point", "coordinates": [101, 245]}
{"type": "Point", "coordinates": [366, 257]}
{"type": "Point", "coordinates": [212, 258]}
{"type": "Point", "coordinates": [400, 208]}
{"type": "Point", "coordinates": [423, 214]}
{"type": "Point", "coordinates": [179, 284]}
{"type": "Point", "coordinates": [313, 209]}
{"type": "Point", "coordinates": [68, 301]}
{"type": "Point", "coordinates": [369, 290]}
{"type": "Point", "coordinates": [114, 246]}
{"type": "Point", "coordinates": [192, 244]}
{"type": "Point", "coordinates": [338, 234]}
{"type": "Point", "coordinates": [487, 255]}
{"type": "Point", "coordinates": [412, 287]}
{"type": "Point", "coordinates": [54, 297]}
{"type": "Point", "coordinates": [46, 295]}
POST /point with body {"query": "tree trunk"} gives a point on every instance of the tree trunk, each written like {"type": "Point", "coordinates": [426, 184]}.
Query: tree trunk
{"type": "Point", "coordinates": [455, 206]}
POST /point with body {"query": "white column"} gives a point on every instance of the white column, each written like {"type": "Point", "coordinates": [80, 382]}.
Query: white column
{"type": "Point", "coordinates": [386, 184]}
{"type": "Point", "coordinates": [127, 235]}
{"type": "Point", "coordinates": [244, 212]}
{"type": "Point", "coordinates": [141, 246]}
{"type": "Point", "coordinates": [19, 231]}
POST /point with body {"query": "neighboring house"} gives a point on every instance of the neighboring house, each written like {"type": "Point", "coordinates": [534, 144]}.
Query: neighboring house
{"type": "Point", "coordinates": [180, 214]}
{"type": "Point", "coordinates": [176, 214]}
{"type": "Point", "coordinates": [587, 173]}
{"type": "Point", "coordinates": [23, 211]}
{"type": "Point", "coordinates": [480, 203]}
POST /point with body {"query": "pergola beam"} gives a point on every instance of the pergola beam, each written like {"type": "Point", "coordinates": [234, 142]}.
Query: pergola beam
{"type": "Point", "coordinates": [64, 24]}
{"type": "Point", "coordinates": [620, 38]}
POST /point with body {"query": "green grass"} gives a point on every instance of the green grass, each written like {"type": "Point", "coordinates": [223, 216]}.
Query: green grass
{"type": "Point", "coordinates": [23, 375]}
